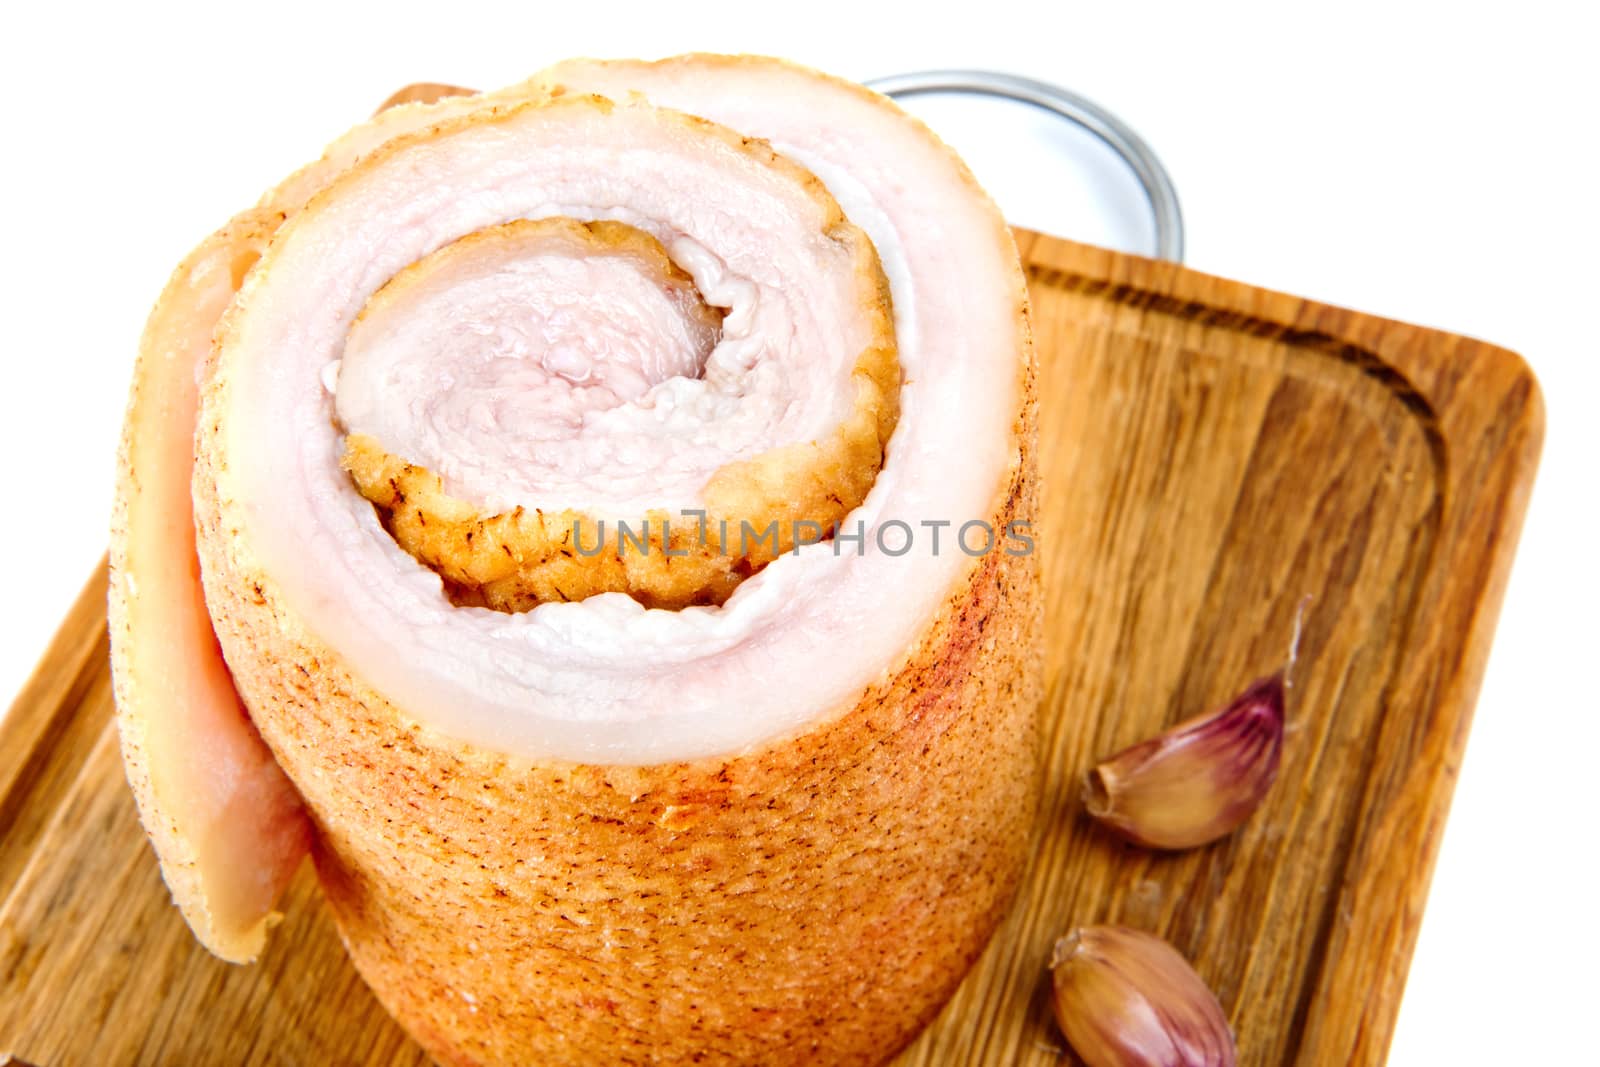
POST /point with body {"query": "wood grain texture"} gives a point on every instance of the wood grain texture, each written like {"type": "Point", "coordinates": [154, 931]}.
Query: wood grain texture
{"type": "Point", "coordinates": [1212, 453]}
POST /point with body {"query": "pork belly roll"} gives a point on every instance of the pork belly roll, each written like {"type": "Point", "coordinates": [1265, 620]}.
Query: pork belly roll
{"type": "Point", "coordinates": [612, 498]}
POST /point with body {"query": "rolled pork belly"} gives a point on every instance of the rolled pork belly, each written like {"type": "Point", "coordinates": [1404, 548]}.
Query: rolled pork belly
{"type": "Point", "coordinates": [612, 499]}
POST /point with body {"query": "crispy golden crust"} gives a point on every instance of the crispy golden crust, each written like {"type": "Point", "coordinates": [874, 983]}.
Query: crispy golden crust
{"type": "Point", "coordinates": [519, 559]}
{"type": "Point", "coordinates": [516, 560]}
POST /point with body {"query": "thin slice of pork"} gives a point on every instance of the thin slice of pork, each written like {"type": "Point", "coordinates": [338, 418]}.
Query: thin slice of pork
{"type": "Point", "coordinates": [229, 828]}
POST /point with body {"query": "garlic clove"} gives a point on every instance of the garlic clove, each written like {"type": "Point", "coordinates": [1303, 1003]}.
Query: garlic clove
{"type": "Point", "coordinates": [1128, 999]}
{"type": "Point", "coordinates": [1199, 780]}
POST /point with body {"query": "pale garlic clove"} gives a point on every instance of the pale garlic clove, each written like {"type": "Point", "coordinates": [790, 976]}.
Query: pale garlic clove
{"type": "Point", "coordinates": [1128, 999]}
{"type": "Point", "coordinates": [1199, 780]}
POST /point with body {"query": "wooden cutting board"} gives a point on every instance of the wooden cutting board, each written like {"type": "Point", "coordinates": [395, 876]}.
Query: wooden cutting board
{"type": "Point", "coordinates": [1213, 453]}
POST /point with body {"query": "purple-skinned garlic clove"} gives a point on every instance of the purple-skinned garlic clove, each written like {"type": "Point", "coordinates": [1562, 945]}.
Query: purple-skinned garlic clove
{"type": "Point", "coordinates": [1128, 999]}
{"type": "Point", "coordinates": [1198, 781]}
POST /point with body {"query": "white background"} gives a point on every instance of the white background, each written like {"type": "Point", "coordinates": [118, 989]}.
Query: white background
{"type": "Point", "coordinates": [1433, 164]}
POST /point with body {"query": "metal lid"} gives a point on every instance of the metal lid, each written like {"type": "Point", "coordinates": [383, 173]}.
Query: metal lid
{"type": "Point", "coordinates": [1158, 190]}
